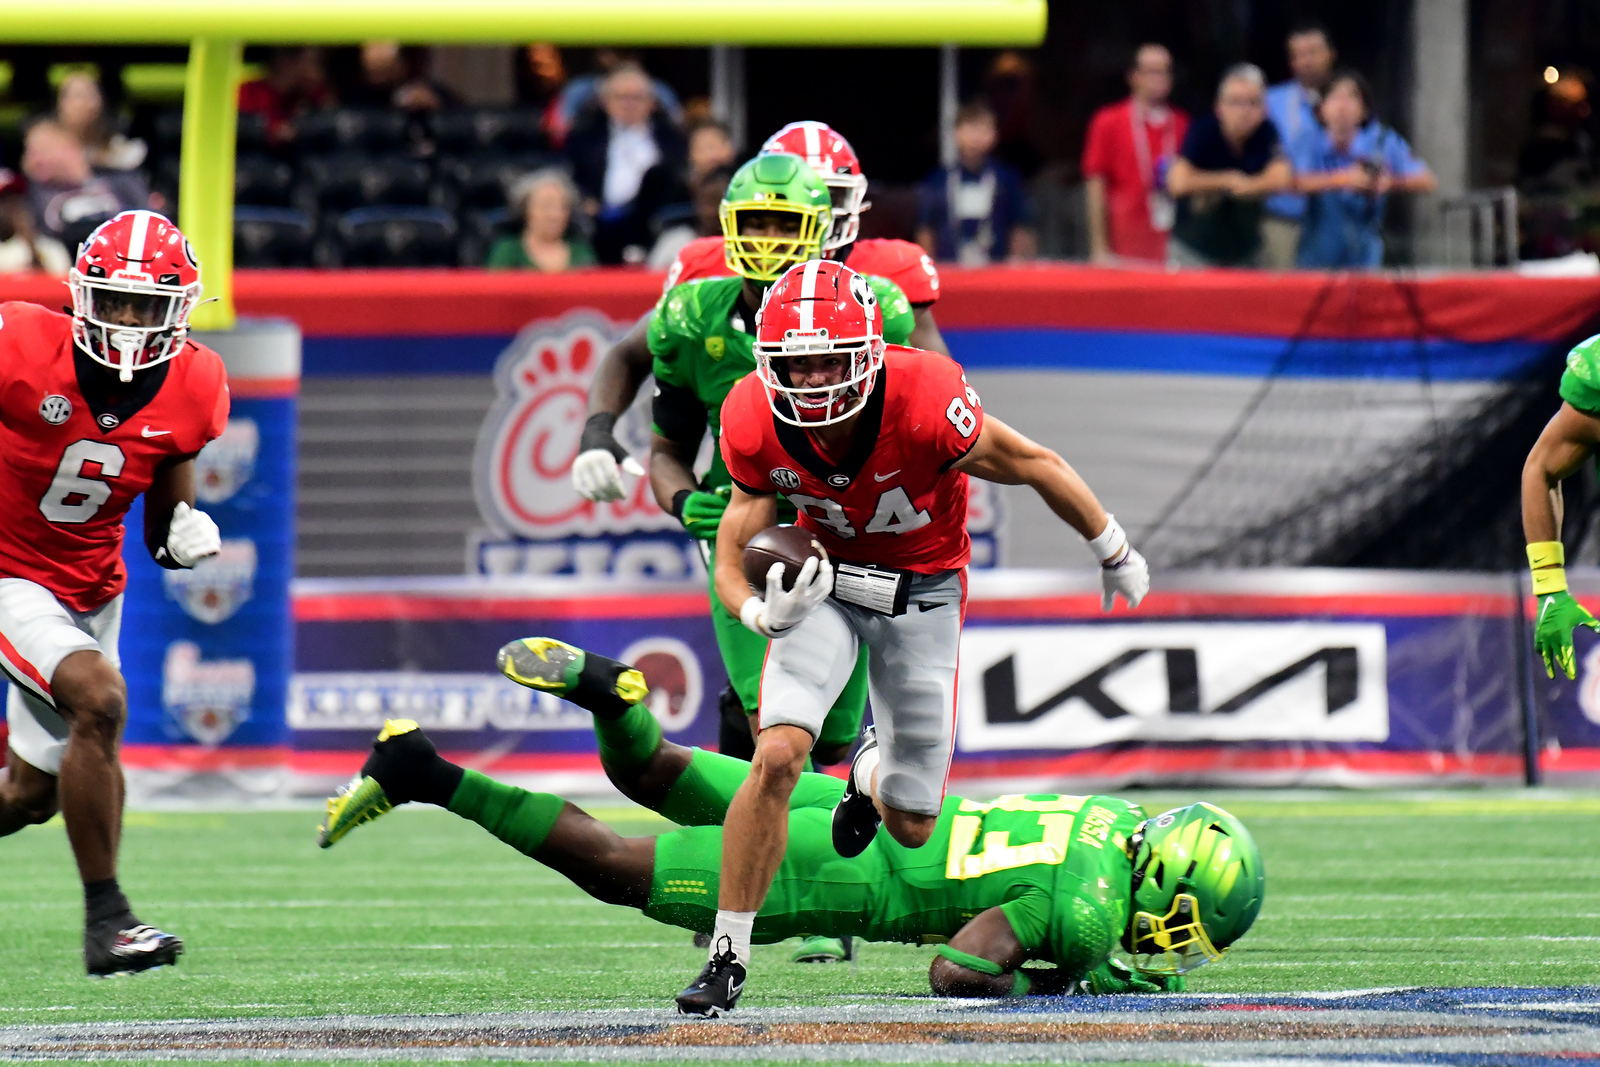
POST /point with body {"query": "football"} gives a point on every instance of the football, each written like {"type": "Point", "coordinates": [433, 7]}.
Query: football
{"type": "Point", "coordinates": [788, 545]}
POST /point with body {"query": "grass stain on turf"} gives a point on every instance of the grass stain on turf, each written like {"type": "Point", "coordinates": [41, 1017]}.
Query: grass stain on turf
{"type": "Point", "coordinates": [424, 912]}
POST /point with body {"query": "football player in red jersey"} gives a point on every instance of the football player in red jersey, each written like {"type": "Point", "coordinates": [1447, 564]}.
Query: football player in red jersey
{"type": "Point", "coordinates": [598, 473]}
{"type": "Point", "coordinates": [902, 262]}
{"type": "Point", "coordinates": [95, 408]}
{"type": "Point", "coordinates": [873, 444]}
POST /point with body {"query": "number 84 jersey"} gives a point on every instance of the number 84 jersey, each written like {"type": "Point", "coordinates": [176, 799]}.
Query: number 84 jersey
{"type": "Point", "coordinates": [76, 448]}
{"type": "Point", "coordinates": [892, 500]}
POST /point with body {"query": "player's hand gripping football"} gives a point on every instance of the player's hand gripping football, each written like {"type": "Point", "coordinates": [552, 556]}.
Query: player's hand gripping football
{"type": "Point", "coordinates": [596, 473]}
{"type": "Point", "coordinates": [777, 613]}
{"type": "Point", "coordinates": [702, 512]}
{"type": "Point", "coordinates": [1559, 615]}
{"type": "Point", "coordinates": [191, 536]}
{"type": "Point", "coordinates": [1122, 569]}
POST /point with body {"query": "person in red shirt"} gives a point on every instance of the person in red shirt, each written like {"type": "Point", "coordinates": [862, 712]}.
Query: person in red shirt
{"type": "Point", "coordinates": [1124, 158]}
{"type": "Point", "coordinates": [95, 409]}
{"type": "Point", "coordinates": [873, 444]}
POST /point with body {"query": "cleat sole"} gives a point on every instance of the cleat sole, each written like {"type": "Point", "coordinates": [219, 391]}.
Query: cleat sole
{"type": "Point", "coordinates": [541, 663]}
{"type": "Point", "coordinates": [360, 802]}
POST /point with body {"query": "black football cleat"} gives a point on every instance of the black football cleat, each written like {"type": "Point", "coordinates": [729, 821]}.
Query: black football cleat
{"type": "Point", "coordinates": [855, 817]}
{"type": "Point", "coordinates": [718, 988]}
{"type": "Point", "coordinates": [127, 946]}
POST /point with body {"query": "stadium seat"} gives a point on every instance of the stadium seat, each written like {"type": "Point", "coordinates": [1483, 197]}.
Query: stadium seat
{"type": "Point", "coordinates": [481, 182]}
{"type": "Point", "coordinates": [262, 180]}
{"type": "Point", "coordinates": [271, 237]}
{"type": "Point", "coordinates": [349, 130]}
{"type": "Point", "coordinates": [351, 180]}
{"type": "Point", "coordinates": [392, 237]}
{"type": "Point", "coordinates": [471, 131]}
{"type": "Point", "coordinates": [480, 230]}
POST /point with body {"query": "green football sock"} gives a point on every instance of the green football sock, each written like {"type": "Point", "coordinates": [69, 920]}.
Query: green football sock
{"type": "Point", "coordinates": [519, 818]}
{"type": "Point", "coordinates": [628, 742]}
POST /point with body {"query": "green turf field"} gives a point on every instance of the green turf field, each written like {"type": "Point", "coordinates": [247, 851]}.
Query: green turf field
{"type": "Point", "coordinates": [421, 912]}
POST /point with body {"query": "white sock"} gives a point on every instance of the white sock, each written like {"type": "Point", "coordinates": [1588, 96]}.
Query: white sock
{"type": "Point", "coordinates": [736, 927]}
{"type": "Point", "coordinates": [865, 768]}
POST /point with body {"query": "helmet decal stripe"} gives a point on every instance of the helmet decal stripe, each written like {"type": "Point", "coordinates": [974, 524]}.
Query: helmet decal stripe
{"type": "Point", "coordinates": [138, 235]}
{"type": "Point", "coordinates": [813, 141]}
{"type": "Point", "coordinates": [808, 293]}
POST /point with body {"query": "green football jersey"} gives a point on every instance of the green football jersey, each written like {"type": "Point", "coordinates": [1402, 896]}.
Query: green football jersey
{"type": "Point", "coordinates": [1056, 865]}
{"type": "Point", "coordinates": [1580, 382]}
{"type": "Point", "coordinates": [703, 342]}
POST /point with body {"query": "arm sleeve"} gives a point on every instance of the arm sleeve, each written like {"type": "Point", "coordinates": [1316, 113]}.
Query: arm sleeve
{"type": "Point", "coordinates": [1580, 383]}
{"type": "Point", "coordinates": [1029, 916]}
{"type": "Point", "coordinates": [955, 415]}
{"type": "Point", "coordinates": [677, 414]}
{"type": "Point", "coordinates": [1191, 147]}
{"type": "Point", "coordinates": [661, 337]}
{"type": "Point", "coordinates": [740, 442]}
{"type": "Point", "coordinates": [219, 413]}
{"type": "Point", "coordinates": [917, 277]}
{"type": "Point", "coordinates": [1397, 156]}
{"type": "Point", "coordinates": [898, 320]}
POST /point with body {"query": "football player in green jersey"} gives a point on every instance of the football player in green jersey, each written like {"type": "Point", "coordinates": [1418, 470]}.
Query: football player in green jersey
{"type": "Point", "coordinates": [1117, 901]}
{"type": "Point", "coordinates": [1569, 440]}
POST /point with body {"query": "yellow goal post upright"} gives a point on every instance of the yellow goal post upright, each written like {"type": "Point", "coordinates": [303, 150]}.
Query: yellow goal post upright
{"type": "Point", "coordinates": [216, 31]}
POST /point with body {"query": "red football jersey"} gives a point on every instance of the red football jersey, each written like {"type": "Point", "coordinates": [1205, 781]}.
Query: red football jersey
{"type": "Point", "coordinates": [902, 262]}
{"type": "Point", "coordinates": [69, 471]}
{"type": "Point", "coordinates": [893, 500]}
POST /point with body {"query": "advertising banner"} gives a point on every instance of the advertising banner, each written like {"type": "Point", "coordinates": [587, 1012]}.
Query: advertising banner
{"type": "Point", "coordinates": [207, 652]}
{"type": "Point", "coordinates": [1267, 677]}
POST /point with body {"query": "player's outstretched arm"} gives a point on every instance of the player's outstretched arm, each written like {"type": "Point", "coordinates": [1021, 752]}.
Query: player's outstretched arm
{"type": "Point", "coordinates": [1568, 440]}
{"type": "Point", "coordinates": [624, 367]}
{"type": "Point", "coordinates": [1003, 455]}
{"type": "Point", "coordinates": [175, 532]}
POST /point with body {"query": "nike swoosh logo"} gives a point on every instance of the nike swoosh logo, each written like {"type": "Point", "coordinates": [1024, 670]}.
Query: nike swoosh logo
{"type": "Point", "coordinates": [148, 432]}
{"type": "Point", "coordinates": [735, 990]}
{"type": "Point", "coordinates": [886, 477]}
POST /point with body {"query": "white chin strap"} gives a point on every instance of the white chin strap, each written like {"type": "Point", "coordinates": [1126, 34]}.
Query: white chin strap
{"type": "Point", "coordinates": [129, 344]}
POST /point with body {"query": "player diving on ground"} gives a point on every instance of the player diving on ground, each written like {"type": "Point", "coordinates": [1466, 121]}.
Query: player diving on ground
{"type": "Point", "coordinates": [1117, 901]}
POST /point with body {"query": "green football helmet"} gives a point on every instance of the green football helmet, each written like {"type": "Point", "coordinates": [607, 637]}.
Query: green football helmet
{"type": "Point", "coordinates": [775, 183]}
{"type": "Point", "coordinates": [1198, 882]}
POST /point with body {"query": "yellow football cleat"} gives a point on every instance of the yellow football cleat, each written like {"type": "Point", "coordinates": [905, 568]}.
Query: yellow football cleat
{"type": "Point", "coordinates": [363, 799]}
{"type": "Point", "coordinates": [542, 663]}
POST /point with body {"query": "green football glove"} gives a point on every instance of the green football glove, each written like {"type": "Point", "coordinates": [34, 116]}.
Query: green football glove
{"type": "Point", "coordinates": [1559, 615]}
{"type": "Point", "coordinates": [702, 512]}
{"type": "Point", "coordinates": [1113, 976]}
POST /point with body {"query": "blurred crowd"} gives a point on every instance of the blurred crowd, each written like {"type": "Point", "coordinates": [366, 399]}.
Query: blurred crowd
{"type": "Point", "coordinates": [378, 162]}
{"type": "Point", "coordinates": [1290, 175]}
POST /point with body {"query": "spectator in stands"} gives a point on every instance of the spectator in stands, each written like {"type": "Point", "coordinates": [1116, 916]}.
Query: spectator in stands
{"type": "Point", "coordinates": [1125, 158]}
{"type": "Point", "coordinates": [544, 201]}
{"type": "Point", "coordinates": [22, 247]}
{"type": "Point", "coordinates": [1348, 165]}
{"type": "Point", "coordinates": [392, 76]}
{"type": "Point", "coordinates": [1292, 107]}
{"type": "Point", "coordinates": [610, 155]}
{"type": "Point", "coordinates": [296, 82]}
{"type": "Point", "coordinates": [581, 96]}
{"type": "Point", "coordinates": [975, 212]}
{"type": "Point", "coordinates": [1008, 88]}
{"type": "Point", "coordinates": [1230, 160]}
{"type": "Point", "coordinates": [67, 195]}
{"type": "Point", "coordinates": [710, 149]}
{"type": "Point", "coordinates": [541, 76]}
{"type": "Point", "coordinates": [705, 194]}
{"type": "Point", "coordinates": [81, 111]}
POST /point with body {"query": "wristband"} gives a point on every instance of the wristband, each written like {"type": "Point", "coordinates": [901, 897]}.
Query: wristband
{"type": "Point", "coordinates": [750, 615]}
{"type": "Point", "coordinates": [971, 962]}
{"type": "Point", "coordinates": [597, 433]}
{"type": "Point", "coordinates": [1111, 547]}
{"type": "Point", "coordinates": [680, 498]}
{"type": "Point", "coordinates": [1020, 987]}
{"type": "Point", "coordinates": [1549, 580]}
{"type": "Point", "coordinates": [1546, 554]}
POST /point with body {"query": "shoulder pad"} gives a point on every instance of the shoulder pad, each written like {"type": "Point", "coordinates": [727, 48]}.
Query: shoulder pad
{"type": "Point", "coordinates": [1583, 362]}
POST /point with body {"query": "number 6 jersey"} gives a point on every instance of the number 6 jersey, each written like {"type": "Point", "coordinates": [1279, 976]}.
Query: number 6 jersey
{"type": "Point", "coordinates": [74, 453]}
{"type": "Point", "coordinates": [893, 499]}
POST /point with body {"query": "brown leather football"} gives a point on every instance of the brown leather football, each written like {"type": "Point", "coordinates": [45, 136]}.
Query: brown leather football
{"type": "Point", "coordinates": [788, 545]}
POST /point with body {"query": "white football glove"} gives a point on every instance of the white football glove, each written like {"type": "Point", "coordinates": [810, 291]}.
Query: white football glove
{"type": "Point", "coordinates": [777, 613]}
{"type": "Point", "coordinates": [597, 476]}
{"type": "Point", "coordinates": [1122, 569]}
{"type": "Point", "coordinates": [191, 536]}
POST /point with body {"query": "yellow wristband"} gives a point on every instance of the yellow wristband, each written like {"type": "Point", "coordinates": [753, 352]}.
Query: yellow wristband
{"type": "Point", "coordinates": [1549, 580]}
{"type": "Point", "coordinates": [1546, 554]}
